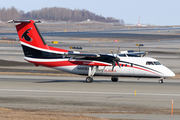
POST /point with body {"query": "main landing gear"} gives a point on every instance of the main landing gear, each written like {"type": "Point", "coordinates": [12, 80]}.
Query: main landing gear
{"type": "Point", "coordinates": [114, 79]}
{"type": "Point", "coordinates": [161, 80]}
{"type": "Point", "coordinates": [91, 72]}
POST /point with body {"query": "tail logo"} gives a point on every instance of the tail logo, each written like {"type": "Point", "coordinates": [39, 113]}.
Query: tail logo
{"type": "Point", "coordinates": [25, 35]}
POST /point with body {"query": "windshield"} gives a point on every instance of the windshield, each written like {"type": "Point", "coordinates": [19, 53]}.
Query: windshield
{"type": "Point", "coordinates": [157, 63]}
{"type": "Point", "coordinates": [153, 63]}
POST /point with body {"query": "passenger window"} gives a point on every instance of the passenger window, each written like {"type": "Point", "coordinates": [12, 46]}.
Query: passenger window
{"type": "Point", "coordinates": [157, 63]}
{"type": "Point", "coordinates": [149, 63]}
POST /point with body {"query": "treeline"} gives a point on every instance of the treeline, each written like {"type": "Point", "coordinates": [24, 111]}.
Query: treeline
{"type": "Point", "coordinates": [9, 14]}
{"type": "Point", "coordinates": [55, 14]}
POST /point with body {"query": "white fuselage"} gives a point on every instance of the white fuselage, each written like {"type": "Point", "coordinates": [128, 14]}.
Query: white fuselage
{"type": "Point", "coordinates": [130, 66]}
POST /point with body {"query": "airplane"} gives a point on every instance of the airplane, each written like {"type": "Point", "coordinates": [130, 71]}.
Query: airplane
{"type": "Point", "coordinates": [127, 64]}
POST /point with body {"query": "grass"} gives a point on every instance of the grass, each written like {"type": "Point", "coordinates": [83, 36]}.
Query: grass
{"type": "Point", "coordinates": [41, 74]}
{"type": "Point", "coordinates": [10, 114]}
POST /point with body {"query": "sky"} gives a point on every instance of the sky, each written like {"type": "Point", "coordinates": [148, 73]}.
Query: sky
{"type": "Point", "coordinates": [153, 12]}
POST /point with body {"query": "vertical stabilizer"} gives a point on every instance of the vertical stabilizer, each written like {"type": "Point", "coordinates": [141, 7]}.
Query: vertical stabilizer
{"type": "Point", "coordinates": [29, 35]}
{"type": "Point", "coordinates": [32, 41]}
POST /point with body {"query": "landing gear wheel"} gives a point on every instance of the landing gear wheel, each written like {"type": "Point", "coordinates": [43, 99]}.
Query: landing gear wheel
{"type": "Point", "coordinates": [114, 79]}
{"type": "Point", "coordinates": [161, 81]}
{"type": "Point", "coordinates": [89, 79]}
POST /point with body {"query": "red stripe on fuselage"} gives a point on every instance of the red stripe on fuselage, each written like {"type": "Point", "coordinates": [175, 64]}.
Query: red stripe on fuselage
{"type": "Point", "coordinates": [53, 64]}
{"type": "Point", "coordinates": [145, 70]}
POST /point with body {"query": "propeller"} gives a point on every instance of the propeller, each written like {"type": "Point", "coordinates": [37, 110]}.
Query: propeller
{"type": "Point", "coordinates": [115, 60]}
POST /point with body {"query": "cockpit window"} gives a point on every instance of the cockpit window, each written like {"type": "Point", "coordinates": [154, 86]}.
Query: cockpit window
{"type": "Point", "coordinates": [153, 63]}
{"type": "Point", "coordinates": [149, 63]}
{"type": "Point", "coordinates": [157, 63]}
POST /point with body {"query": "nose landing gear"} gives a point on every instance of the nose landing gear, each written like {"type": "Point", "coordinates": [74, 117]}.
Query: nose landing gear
{"type": "Point", "coordinates": [161, 80]}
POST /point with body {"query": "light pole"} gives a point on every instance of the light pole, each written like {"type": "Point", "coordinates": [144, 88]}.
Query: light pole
{"type": "Point", "coordinates": [139, 46]}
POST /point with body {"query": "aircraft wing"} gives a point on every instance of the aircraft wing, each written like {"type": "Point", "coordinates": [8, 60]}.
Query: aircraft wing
{"type": "Point", "coordinates": [79, 55]}
{"type": "Point", "coordinates": [102, 57]}
{"type": "Point", "coordinates": [106, 59]}
{"type": "Point", "coordinates": [97, 57]}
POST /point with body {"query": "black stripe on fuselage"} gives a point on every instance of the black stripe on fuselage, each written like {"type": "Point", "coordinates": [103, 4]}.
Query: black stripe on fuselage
{"type": "Point", "coordinates": [141, 66]}
{"type": "Point", "coordinates": [34, 53]}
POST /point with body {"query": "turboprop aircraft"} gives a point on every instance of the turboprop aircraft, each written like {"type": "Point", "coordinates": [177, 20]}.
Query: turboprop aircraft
{"type": "Point", "coordinates": [126, 64]}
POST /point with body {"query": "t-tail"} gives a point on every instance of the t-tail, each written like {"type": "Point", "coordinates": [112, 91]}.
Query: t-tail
{"type": "Point", "coordinates": [32, 42]}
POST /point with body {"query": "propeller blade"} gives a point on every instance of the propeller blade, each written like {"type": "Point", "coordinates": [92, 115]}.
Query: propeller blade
{"type": "Point", "coordinates": [112, 68]}
{"type": "Point", "coordinates": [113, 65]}
{"type": "Point", "coordinates": [112, 53]}
{"type": "Point", "coordinates": [118, 64]}
{"type": "Point", "coordinates": [118, 51]}
{"type": "Point", "coordinates": [115, 60]}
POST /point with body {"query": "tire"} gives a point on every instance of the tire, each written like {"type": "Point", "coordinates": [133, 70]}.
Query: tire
{"type": "Point", "coordinates": [114, 79]}
{"type": "Point", "coordinates": [89, 79]}
{"type": "Point", "coordinates": [160, 81]}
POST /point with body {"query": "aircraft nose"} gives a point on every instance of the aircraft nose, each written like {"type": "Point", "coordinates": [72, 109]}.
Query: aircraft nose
{"type": "Point", "coordinates": [171, 74]}
{"type": "Point", "coordinates": [168, 73]}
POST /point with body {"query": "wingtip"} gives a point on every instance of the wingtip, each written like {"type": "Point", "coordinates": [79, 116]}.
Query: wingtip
{"type": "Point", "coordinates": [10, 21]}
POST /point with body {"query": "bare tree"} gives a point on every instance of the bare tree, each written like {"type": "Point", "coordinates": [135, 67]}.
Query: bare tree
{"type": "Point", "coordinates": [54, 13]}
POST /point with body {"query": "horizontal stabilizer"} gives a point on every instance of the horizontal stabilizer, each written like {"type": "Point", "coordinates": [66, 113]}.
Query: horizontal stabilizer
{"type": "Point", "coordinates": [24, 21]}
